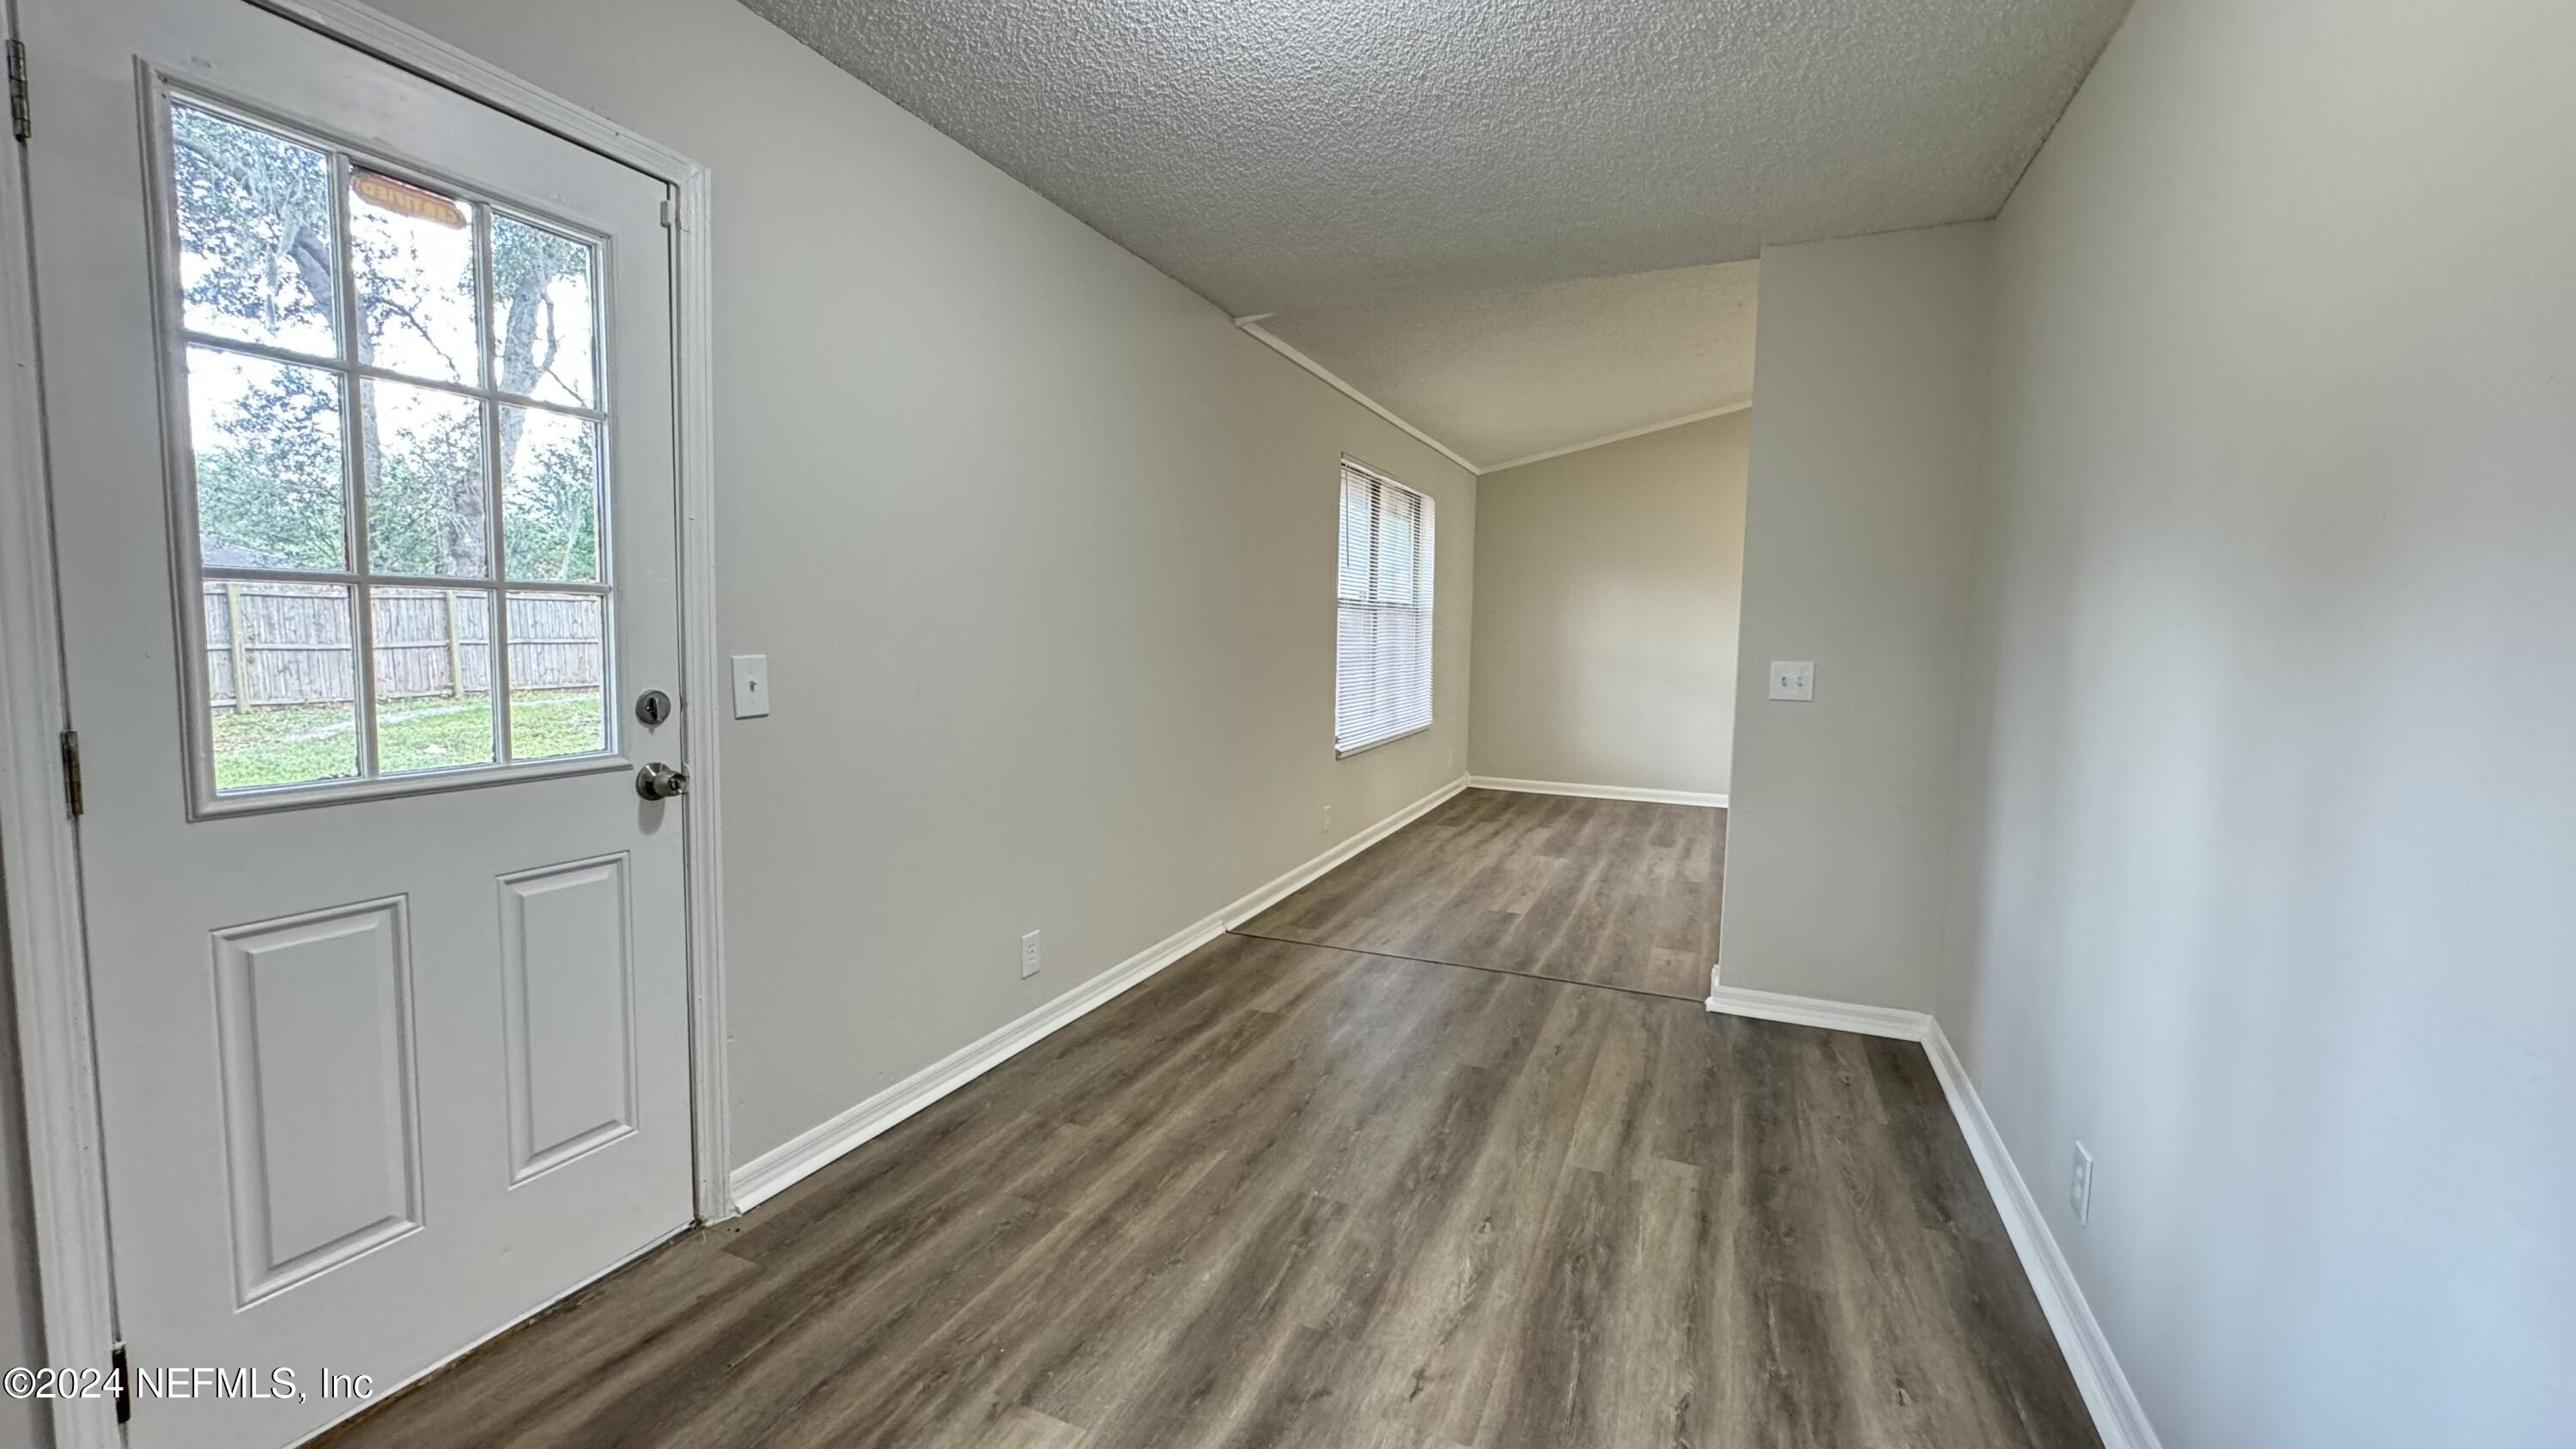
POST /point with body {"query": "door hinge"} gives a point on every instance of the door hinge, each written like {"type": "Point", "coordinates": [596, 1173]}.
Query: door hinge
{"type": "Point", "coordinates": [71, 770]}
{"type": "Point", "coordinates": [671, 211]}
{"type": "Point", "coordinates": [124, 1389]}
{"type": "Point", "coordinates": [21, 119]}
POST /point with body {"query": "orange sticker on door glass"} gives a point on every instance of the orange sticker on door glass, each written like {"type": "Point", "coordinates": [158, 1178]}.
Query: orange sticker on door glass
{"type": "Point", "coordinates": [405, 199]}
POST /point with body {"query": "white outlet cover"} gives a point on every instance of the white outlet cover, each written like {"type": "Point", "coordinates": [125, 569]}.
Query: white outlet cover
{"type": "Point", "coordinates": [750, 686]}
{"type": "Point", "coordinates": [1793, 679]}
{"type": "Point", "coordinates": [1031, 955]}
{"type": "Point", "coordinates": [2079, 1190]}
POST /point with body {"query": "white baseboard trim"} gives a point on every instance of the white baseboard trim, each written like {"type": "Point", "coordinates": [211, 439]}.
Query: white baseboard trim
{"type": "Point", "coordinates": [798, 1158]}
{"type": "Point", "coordinates": [1296, 880]}
{"type": "Point", "coordinates": [1597, 792]}
{"type": "Point", "coordinates": [1813, 1011]}
{"type": "Point", "coordinates": [2117, 1415]}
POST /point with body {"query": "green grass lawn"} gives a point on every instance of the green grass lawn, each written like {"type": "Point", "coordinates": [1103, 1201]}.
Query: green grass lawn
{"type": "Point", "coordinates": [285, 745]}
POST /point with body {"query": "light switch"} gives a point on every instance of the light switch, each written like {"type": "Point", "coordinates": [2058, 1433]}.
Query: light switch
{"type": "Point", "coordinates": [1793, 679]}
{"type": "Point", "coordinates": [750, 686]}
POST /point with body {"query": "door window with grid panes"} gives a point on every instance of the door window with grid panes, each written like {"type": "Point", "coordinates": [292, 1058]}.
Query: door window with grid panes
{"type": "Point", "coordinates": [390, 468]}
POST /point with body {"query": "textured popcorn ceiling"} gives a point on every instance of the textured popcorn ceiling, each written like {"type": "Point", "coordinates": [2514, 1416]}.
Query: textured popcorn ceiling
{"type": "Point", "coordinates": [1291, 153]}
{"type": "Point", "coordinates": [1500, 373]}
{"type": "Point", "coordinates": [1318, 158]}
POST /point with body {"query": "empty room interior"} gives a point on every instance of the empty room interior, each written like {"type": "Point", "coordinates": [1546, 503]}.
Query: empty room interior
{"type": "Point", "coordinates": [1612, 725]}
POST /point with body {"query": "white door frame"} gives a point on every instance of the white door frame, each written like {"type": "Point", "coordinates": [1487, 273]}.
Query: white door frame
{"type": "Point", "coordinates": [40, 866]}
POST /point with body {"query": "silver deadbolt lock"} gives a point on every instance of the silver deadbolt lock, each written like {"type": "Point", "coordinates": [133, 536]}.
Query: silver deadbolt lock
{"type": "Point", "coordinates": [652, 707]}
{"type": "Point", "coordinates": [658, 781]}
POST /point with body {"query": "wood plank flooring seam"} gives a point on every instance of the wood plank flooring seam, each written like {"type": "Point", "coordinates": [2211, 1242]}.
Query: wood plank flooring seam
{"type": "Point", "coordinates": [1295, 1194]}
{"type": "Point", "coordinates": [1469, 966]}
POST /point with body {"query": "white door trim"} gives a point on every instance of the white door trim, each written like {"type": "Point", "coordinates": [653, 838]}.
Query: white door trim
{"type": "Point", "coordinates": [41, 884]}
{"type": "Point", "coordinates": [40, 874]}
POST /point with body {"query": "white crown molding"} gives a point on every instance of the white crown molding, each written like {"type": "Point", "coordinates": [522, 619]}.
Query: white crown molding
{"type": "Point", "coordinates": [1597, 792]}
{"type": "Point", "coordinates": [1280, 345]}
{"type": "Point", "coordinates": [1735, 407]}
{"type": "Point", "coordinates": [2117, 1415]}
{"type": "Point", "coordinates": [1275, 343]}
{"type": "Point", "coordinates": [808, 1152]}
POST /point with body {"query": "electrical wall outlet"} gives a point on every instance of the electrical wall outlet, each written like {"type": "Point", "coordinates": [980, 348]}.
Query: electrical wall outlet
{"type": "Point", "coordinates": [1030, 955]}
{"type": "Point", "coordinates": [1328, 819]}
{"type": "Point", "coordinates": [2079, 1189]}
{"type": "Point", "coordinates": [1793, 679]}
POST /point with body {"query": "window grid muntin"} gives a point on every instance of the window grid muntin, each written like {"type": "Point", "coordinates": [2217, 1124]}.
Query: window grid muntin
{"type": "Point", "coordinates": [361, 579]}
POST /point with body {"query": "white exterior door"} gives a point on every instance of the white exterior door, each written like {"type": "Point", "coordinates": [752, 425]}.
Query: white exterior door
{"type": "Point", "coordinates": [360, 419]}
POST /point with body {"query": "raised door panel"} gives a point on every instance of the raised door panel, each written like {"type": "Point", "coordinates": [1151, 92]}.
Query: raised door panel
{"type": "Point", "coordinates": [568, 1010]}
{"type": "Point", "coordinates": [322, 1131]}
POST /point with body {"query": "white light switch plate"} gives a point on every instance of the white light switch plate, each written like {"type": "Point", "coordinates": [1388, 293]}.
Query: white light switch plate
{"type": "Point", "coordinates": [1793, 679]}
{"type": "Point", "coordinates": [750, 686]}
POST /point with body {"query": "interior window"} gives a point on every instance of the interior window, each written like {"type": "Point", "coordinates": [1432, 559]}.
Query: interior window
{"type": "Point", "coordinates": [1382, 646]}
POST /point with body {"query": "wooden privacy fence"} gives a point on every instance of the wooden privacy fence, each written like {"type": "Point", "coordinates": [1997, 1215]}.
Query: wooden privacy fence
{"type": "Point", "coordinates": [291, 643]}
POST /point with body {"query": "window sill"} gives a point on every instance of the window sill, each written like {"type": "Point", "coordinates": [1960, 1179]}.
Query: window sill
{"type": "Point", "coordinates": [1343, 754]}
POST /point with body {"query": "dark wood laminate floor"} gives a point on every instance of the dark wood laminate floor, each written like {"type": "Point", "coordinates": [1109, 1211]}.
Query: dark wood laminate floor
{"type": "Point", "coordinates": [1286, 1195]}
{"type": "Point", "coordinates": [1612, 892]}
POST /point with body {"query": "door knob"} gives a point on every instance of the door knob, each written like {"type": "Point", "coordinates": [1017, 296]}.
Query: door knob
{"type": "Point", "coordinates": [658, 781]}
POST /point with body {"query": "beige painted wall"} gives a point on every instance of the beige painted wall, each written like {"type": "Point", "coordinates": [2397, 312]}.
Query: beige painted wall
{"type": "Point", "coordinates": [1606, 612]}
{"type": "Point", "coordinates": [1039, 546]}
{"type": "Point", "coordinates": [2258, 848]}
{"type": "Point", "coordinates": [1860, 511]}
{"type": "Point", "coordinates": [2275, 726]}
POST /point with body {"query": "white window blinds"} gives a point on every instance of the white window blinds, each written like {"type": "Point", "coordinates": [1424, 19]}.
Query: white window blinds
{"type": "Point", "coordinates": [1382, 647]}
